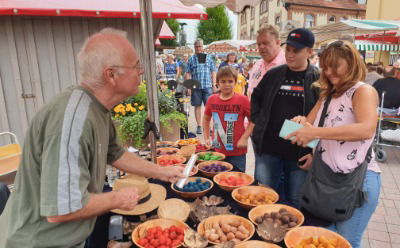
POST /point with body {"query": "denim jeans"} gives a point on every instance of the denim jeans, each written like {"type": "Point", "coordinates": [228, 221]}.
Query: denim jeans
{"type": "Point", "coordinates": [353, 228]}
{"type": "Point", "coordinates": [238, 161]}
{"type": "Point", "coordinates": [270, 169]}
{"type": "Point", "coordinates": [4, 194]}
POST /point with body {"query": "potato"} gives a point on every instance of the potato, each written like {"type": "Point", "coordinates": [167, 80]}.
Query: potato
{"type": "Point", "coordinates": [243, 229]}
{"type": "Point", "coordinates": [285, 219]}
{"type": "Point", "coordinates": [293, 218]}
{"type": "Point", "coordinates": [282, 211]}
{"type": "Point", "coordinates": [240, 235]}
{"type": "Point", "coordinates": [226, 228]}
{"type": "Point", "coordinates": [266, 215]}
{"type": "Point", "coordinates": [233, 229]}
{"type": "Point", "coordinates": [213, 237]}
{"type": "Point", "coordinates": [223, 238]}
{"type": "Point", "coordinates": [259, 220]}
{"type": "Point", "coordinates": [230, 236]}
{"type": "Point", "coordinates": [292, 224]}
{"type": "Point", "coordinates": [235, 223]}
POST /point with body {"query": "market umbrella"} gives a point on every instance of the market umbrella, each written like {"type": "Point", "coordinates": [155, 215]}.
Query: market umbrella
{"type": "Point", "coordinates": [234, 5]}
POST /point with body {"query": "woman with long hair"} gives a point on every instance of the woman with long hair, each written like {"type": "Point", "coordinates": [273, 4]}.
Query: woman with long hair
{"type": "Point", "coordinates": [231, 60]}
{"type": "Point", "coordinates": [346, 131]}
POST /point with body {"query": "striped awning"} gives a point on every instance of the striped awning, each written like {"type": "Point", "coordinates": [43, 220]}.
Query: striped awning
{"type": "Point", "coordinates": [363, 45]}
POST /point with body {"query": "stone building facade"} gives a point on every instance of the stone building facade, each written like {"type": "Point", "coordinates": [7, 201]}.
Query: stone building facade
{"type": "Point", "coordinates": [288, 14]}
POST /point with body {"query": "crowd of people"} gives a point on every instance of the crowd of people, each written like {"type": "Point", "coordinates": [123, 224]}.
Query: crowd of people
{"type": "Point", "coordinates": [71, 139]}
{"type": "Point", "coordinates": [327, 95]}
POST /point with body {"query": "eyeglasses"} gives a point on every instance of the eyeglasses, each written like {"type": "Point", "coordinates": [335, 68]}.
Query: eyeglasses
{"type": "Point", "coordinates": [139, 67]}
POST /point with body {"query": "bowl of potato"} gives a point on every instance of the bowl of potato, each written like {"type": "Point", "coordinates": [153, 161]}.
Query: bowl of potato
{"type": "Point", "coordinates": [251, 196]}
{"type": "Point", "coordinates": [222, 228]}
{"type": "Point", "coordinates": [285, 216]}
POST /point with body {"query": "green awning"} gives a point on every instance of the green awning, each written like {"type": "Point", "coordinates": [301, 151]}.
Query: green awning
{"type": "Point", "coordinates": [372, 46]}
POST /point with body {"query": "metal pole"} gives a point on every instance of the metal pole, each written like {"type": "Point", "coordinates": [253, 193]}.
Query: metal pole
{"type": "Point", "coordinates": [147, 37]}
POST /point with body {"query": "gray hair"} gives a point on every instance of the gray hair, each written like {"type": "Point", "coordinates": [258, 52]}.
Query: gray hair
{"type": "Point", "coordinates": [198, 41]}
{"type": "Point", "coordinates": [100, 50]}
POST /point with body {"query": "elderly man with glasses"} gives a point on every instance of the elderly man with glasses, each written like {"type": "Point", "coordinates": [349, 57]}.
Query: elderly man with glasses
{"type": "Point", "coordinates": [58, 190]}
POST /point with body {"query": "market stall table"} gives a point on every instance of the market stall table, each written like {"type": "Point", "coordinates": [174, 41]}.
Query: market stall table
{"type": "Point", "coordinates": [99, 237]}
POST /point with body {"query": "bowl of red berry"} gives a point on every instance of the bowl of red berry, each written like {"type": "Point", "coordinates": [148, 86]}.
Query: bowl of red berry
{"type": "Point", "coordinates": [231, 180]}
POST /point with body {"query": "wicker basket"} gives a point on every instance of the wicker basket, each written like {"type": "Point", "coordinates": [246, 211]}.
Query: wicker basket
{"type": "Point", "coordinates": [296, 235]}
{"type": "Point", "coordinates": [168, 149]}
{"type": "Point", "coordinates": [212, 174]}
{"type": "Point", "coordinates": [214, 153]}
{"type": "Point", "coordinates": [207, 223]}
{"type": "Point", "coordinates": [174, 208]}
{"type": "Point", "coordinates": [193, 194]}
{"type": "Point", "coordinates": [254, 190]}
{"type": "Point", "coordinates": [262, 209]}
{"type": "Point", "coordinates": [177, 157]}
{"type": "Point", "coordinates": [187, 151]}
{"type": "Point", "coordinates": [242, 175]}
{"type": "Point", "coordinates": [140, 231]}
{"type": "Point", "coordinates": [256, 244]}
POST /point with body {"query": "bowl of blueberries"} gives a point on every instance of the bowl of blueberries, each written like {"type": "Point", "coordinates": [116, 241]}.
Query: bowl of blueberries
{"type": "Point", "coordinates": [194, 187]}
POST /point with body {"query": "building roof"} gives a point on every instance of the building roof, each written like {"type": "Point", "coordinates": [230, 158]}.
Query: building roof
{"type": "Point", "coordinates": [336, 4]}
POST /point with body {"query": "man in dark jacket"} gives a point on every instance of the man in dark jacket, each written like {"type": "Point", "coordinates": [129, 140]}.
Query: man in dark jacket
{"type": "Point", "coordinates": [284, 92]}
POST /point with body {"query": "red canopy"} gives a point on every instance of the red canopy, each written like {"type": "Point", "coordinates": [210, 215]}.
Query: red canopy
{"type": "Point", "coordinates": [389, 37]}
{"type": "Point", "coordinates": [166, 32]}
{"type": "Point", "coordinates": [99, 8]}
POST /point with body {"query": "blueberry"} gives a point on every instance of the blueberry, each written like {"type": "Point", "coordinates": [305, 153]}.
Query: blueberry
{"type": "Point", "coordinates": [198, 180]}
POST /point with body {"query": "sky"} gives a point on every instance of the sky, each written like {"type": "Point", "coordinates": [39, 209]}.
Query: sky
{"type": "Point", "coordinates": [191, 28]}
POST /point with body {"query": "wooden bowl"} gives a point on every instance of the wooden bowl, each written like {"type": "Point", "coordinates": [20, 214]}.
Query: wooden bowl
{"type": "Point", "coordinates": [296, 235]}
{"type": "Point", "coordinates": [164, 144]}
{"type": "Point", "coordinates": [185, 142]}
{"type": "Point", "coordinates": [193, 194]}
{"type": "Point", "coordinates": [140, 231]}
{"type": "Point", "coordinates": [207, 148]}
{"type": "Point", "coordinates": [262, 209]}
{"type": "Point", "coordinates": [212, 174]}
{"type": "Point", "coordinates": [218, 177]}
{"type": "Point", "coordinates": [214, 153]}
{"type": "Point", "coordinates": [256, 244]}
{"type": "Point", "coordinates": [164, 151]}
{"type": "Point", "coordinates": [187, 151]}
{"type": "Point", "coordinates": [207, 223]}
{"type": "Point", "coordinates": [174, 208]}
{"type": "Point", "coordinates": [256, 190]}
{"type": "Point", "coordinates": [181, 159]}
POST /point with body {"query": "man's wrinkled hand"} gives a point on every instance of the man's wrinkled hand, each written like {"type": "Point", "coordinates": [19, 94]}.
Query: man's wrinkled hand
{"type": "Point", "coordinates": [127, 198]}
{"type": "Point", "coordinates": [171, 174]}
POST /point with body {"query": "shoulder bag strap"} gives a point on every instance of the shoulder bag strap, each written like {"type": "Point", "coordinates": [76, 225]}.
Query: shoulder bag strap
{"type": "Point", "coordinates": [324, 110]}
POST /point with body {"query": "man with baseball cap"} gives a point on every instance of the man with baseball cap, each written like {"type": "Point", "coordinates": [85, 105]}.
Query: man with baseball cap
{"type": "Point", "coordinates": [283, 93]}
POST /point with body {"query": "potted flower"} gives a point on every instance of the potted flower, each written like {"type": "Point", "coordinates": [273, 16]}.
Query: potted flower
{"type": "Point", "coordinates": [131, 114]}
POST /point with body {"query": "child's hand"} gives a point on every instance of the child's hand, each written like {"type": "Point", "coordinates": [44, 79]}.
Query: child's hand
{"type": "Point", "coordinates": [242, 142]}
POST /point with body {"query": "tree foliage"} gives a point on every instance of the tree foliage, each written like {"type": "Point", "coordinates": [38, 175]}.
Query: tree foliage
{"type": "Point", "coordinates": [174, 26]}
{"type": "Point", "coordinates": [217, 27]}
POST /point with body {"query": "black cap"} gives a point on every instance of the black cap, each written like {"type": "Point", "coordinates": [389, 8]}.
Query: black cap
{"type": "Point", "coordinates": [300, 38]}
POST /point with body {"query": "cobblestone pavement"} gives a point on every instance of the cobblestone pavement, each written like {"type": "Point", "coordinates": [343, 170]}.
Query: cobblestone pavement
{"type": "Point", "coordinates": [384, 227]}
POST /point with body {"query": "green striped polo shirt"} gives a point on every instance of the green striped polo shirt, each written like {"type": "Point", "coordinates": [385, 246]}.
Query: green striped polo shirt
{"type": "Point", "coordinates": [66, 149]}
